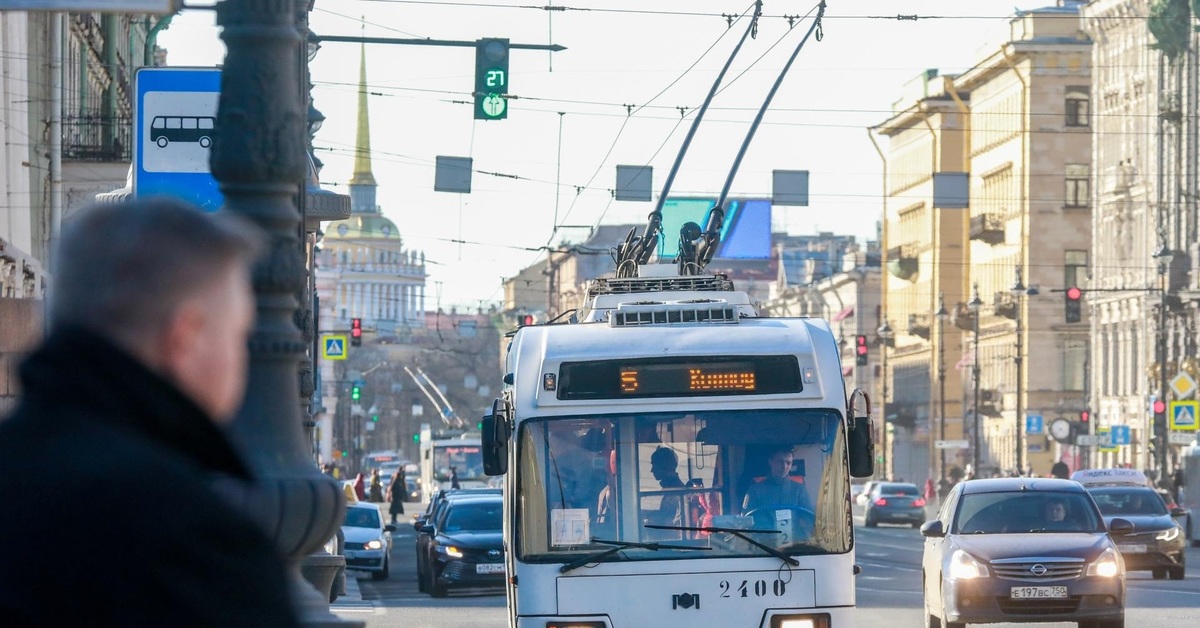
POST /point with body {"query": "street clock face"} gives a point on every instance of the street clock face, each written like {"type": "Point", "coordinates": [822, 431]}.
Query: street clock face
{"type": "Point", "coordinates": [1060, 429]}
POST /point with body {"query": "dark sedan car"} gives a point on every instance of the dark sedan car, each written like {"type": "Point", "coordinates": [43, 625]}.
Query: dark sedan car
{"type": "Point", "coordinates": [1157, 542]}
{"type": "Point", "coordinates": [465, 547]}
{"type": "Point", "coordinates": [1023, 550]}
{"type": "Point", "coordinates": [895, 502]}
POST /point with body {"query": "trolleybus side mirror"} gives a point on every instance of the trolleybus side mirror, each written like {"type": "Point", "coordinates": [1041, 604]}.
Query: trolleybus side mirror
{"type": "Point", "coordinates": [860, 437]}
{"type": "Point", "coordinates": [495, 441]}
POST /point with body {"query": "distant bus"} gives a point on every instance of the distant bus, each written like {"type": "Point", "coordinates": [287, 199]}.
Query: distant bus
{"type": "Point", "coordinates": [437, 456]}
{"type": "Point", "coordinates": [167, 129]}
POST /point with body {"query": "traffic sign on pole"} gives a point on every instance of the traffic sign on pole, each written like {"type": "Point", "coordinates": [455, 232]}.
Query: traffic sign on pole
{"type": "Point", "coordinates": [950, 444]}
{"type": "Point", "coordinates": [1033, 424]}
{"type": "Point", "coordinates": [1182, 415]}
{"type": "Point", "coordinates": [333, 347]}
{"type": "Point", "coordinates": [174, 124]}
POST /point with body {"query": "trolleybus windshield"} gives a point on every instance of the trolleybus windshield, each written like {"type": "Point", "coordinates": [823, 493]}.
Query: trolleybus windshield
{"type": "Point", "coordinates": [587, 483]}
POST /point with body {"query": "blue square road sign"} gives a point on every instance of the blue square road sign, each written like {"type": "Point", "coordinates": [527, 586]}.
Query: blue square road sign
{"type": "Point", "coordinates": [175, 116]}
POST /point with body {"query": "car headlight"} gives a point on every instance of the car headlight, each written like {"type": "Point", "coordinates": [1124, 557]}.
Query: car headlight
{"type": "Point", "coordinates": [374, 544]}
{"type": "Point", "coordinates": [450, 550]}
{"type": "Point", "coordinates": [1168, 535]}
{"type": "Point", "coordinates": [1107, 565]}
{"type": "Point", "coordinates": [963, 566]}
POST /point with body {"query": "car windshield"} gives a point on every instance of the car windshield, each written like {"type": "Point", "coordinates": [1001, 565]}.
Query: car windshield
{"type": "Point", "coordinates": [899, 489]}
{"type": "Point", "coordinates": [679, 479]}
{"type": "Point", "coordinates": [1015, 512]}
{"type": "Point", "coordinates": [474, 518]}
{"type": "Point", "coordinates": [1114, 502]}
{"type": "Point", "coordinates": [362, 518]}
{"type": "Point", "coordinates": [466, 458]}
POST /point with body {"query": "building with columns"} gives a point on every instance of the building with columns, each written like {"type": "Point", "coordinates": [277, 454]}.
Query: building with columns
{"type": "Point", "coordinates": [1145, 221]}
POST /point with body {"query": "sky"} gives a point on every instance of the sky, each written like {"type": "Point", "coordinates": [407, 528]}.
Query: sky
{"type": "Point", "coordinates": [611, 98]}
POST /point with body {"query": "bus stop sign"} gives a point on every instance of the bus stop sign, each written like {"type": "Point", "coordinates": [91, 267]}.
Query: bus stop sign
{"type": "Point", "coordinates": [175, 115]}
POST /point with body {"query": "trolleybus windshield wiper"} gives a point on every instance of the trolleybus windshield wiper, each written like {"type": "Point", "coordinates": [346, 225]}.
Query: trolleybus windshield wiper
{"type": "Point", "coordinates": [617, 546]}
{"type": "Point", "coordinates": [739, 533]}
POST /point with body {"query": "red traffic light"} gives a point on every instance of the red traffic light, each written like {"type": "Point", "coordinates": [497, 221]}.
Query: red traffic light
{"type": "Point", "coordinates": [1074, 293]}
{"type": "Point", "coordinates": [527, 320]}
{"type": "Point", "coordinates": [1160, 406]}
{"type": "Point", "coordinates": [1084, 416]}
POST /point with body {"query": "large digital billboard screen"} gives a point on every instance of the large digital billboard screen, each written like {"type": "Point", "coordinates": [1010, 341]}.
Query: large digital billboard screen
{"type": "Point", "coordinates": [746, 233]}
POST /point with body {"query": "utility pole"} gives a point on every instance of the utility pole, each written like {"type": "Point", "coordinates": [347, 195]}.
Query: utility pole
{"type": "Point", "coordinates": [1021, 292]}
{"type": "Point", "coordinates": [885, 335]}
{"type": "Point", "coordinates": [941, 315]}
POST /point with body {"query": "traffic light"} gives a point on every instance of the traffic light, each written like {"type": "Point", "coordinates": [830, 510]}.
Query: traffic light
{"type": "Point", "coordinates": [355, 392]}
{"type": "Point", "coordinates": [1160, 415]}
{"type": "Point", "coordinates": [525, 320]}
{"type": "Point", "coordinates": [375, 418]}
{"type": "Point", "coordinates": [417, 438]}
{"type": "Point", "coordinates": [1074, 311]}
{"type": "Point", "coordinates": [491, 79]}
{"type": "Point", "coordinates": [1085, 416]}
{"type": "Point", "coordinates": [860, 350]}
{"type": "Point", "coordinates": [356, 332]}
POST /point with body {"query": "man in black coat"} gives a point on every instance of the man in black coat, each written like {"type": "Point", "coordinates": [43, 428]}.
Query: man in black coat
{"type": "Point", "coordinates": [108, 464]}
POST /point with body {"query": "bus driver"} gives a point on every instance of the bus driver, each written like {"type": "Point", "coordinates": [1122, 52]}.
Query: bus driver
{"type": "Point", "coordinates": [779, 490]}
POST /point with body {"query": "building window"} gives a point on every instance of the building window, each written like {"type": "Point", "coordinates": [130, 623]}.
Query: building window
{"type": "Point", "coordinates": [1074, 357]}
{"type": "Point", "coordinates": [1074, 268]}
{"type": "Point", "coordinates": [1077, 185]}
{"type": "Point", "coordinates": [1078, 106]}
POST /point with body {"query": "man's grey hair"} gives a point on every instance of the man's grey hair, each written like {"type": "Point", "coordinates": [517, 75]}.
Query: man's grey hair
{"type": "Point", "coordinates": [123, 270]}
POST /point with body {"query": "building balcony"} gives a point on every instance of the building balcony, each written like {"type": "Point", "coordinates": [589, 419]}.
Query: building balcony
{"type": "Point", "coordinates": [1004, 304]}
{"type": "Point", "coordinates": [919, 325]}
{"type": "Point", "coordinates": [903, 262]}
{"type": "Point", "coordinates": [97, 137]}
{"type": "Point", "coordinates": [987, 228]}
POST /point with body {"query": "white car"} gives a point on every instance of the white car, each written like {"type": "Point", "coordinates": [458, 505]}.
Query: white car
{"type": "Point", "coordinates": [368, 540]}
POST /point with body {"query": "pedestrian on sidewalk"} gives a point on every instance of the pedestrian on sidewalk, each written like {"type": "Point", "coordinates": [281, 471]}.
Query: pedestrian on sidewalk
{"type": "Point", "coordinates": [360, 488]}
{"type": "Point", "coordinates": [130, 394]}
{"type": "Point", "coordinates": [376, 487]}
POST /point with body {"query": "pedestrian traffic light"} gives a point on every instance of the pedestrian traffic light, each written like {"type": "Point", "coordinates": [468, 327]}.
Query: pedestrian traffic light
{"type": "Point", "coordinates": [860, 350]}
{"type": "Point", "coordinates": [1074, 310]}
{"type": "Point", "coordinates": [491, 79]}
{"type": "Point", "coordinates": [356, 332]}
{"type": "Point", "coordinates": [355, 392]}
{"type": "Point", "coordinates": [1084, 416]}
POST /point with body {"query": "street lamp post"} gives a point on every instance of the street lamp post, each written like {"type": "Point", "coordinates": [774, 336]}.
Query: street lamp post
{"type": "Point", "coordinates": [975, 305]}
{"type": "Point", "coordinates": [258, 158]}
{"type": "Point", "coordinates": [1164, 255]}
{"type": "Point", "coordinates": [941, 315]}
{"type": "Point", "coordinates": [1020, 291]}
{"type": "Point", "coordinates": [885, 335]}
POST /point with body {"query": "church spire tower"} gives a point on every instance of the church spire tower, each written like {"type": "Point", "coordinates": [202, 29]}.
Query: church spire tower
{"type": "Point", "coordinates": [362, 183]}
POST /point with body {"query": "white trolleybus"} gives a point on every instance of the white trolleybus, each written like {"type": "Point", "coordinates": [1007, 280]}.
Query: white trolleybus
{"type": "Point", "coordinates": [672, 459]}
{"type": "Point", "coordinates": [438, 455]}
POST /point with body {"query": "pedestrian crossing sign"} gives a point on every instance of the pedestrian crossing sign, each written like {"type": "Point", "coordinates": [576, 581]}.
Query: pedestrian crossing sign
{"type": "Point", "coordinates": [1183, 416]}
{"type": "Point", "coordinates": [333, 347]}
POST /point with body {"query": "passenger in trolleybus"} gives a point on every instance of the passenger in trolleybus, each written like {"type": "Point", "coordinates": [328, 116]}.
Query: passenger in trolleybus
{"type": "Point", "coordinates": [685, 480]}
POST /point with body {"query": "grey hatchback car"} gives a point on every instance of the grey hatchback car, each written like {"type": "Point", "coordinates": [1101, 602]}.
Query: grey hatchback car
{"type": "Point", "coordinates": [1021, 550]}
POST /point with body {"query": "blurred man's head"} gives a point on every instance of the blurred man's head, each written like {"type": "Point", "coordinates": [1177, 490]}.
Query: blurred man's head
{"type": "Point", "coordinates": [170, 285]}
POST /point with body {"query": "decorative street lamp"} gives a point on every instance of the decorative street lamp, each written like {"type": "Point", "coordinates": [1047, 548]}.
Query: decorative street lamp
{"type": "Point", "coordinates": [258, 157]}
{"type": "Point", "coordinates": [941, 315]}
{"type": "Point", "coordinates": [885, 334]}
{"type": "Point", "coordinates": [975, 305]}
{"type": "Point", "coordinates": [1164, 255]}
{"type": "Point", "coordinates": [1020, 292]}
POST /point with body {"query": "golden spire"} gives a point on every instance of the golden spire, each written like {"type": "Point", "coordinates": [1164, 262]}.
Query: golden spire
{"type": "Point", "coordinates": [362, 149]}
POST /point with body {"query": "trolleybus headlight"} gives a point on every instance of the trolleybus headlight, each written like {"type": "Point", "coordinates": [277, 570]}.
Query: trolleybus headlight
{"type": "Point", "coordinates": [1168, 535]}
{"type": "Point", "coordinates": [963, 566]}
{"type": "Point", "coordinates": [1107, 566]}
{"type": "Point", "coordinates": [800, 621]}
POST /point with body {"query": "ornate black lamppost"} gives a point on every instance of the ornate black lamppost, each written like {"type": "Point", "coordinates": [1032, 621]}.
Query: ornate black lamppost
{"type": "Point", "coordinates": [260, 161]}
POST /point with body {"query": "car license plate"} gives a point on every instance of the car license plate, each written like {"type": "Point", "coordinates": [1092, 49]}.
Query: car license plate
{"type": "Point", "coordinates": [490, 568]}
{"type": "Point", "coordinates": [1038, 593]}
{"type": "Point", "coordinates": [1132, 549]}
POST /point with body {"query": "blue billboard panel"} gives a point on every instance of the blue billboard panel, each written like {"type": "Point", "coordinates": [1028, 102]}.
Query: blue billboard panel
{"type": "Point", "coordinates": [746, 233]}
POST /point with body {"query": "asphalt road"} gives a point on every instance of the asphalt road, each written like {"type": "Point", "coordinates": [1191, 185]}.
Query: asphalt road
{"type": "Point", "coordinates": [889, 591]}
